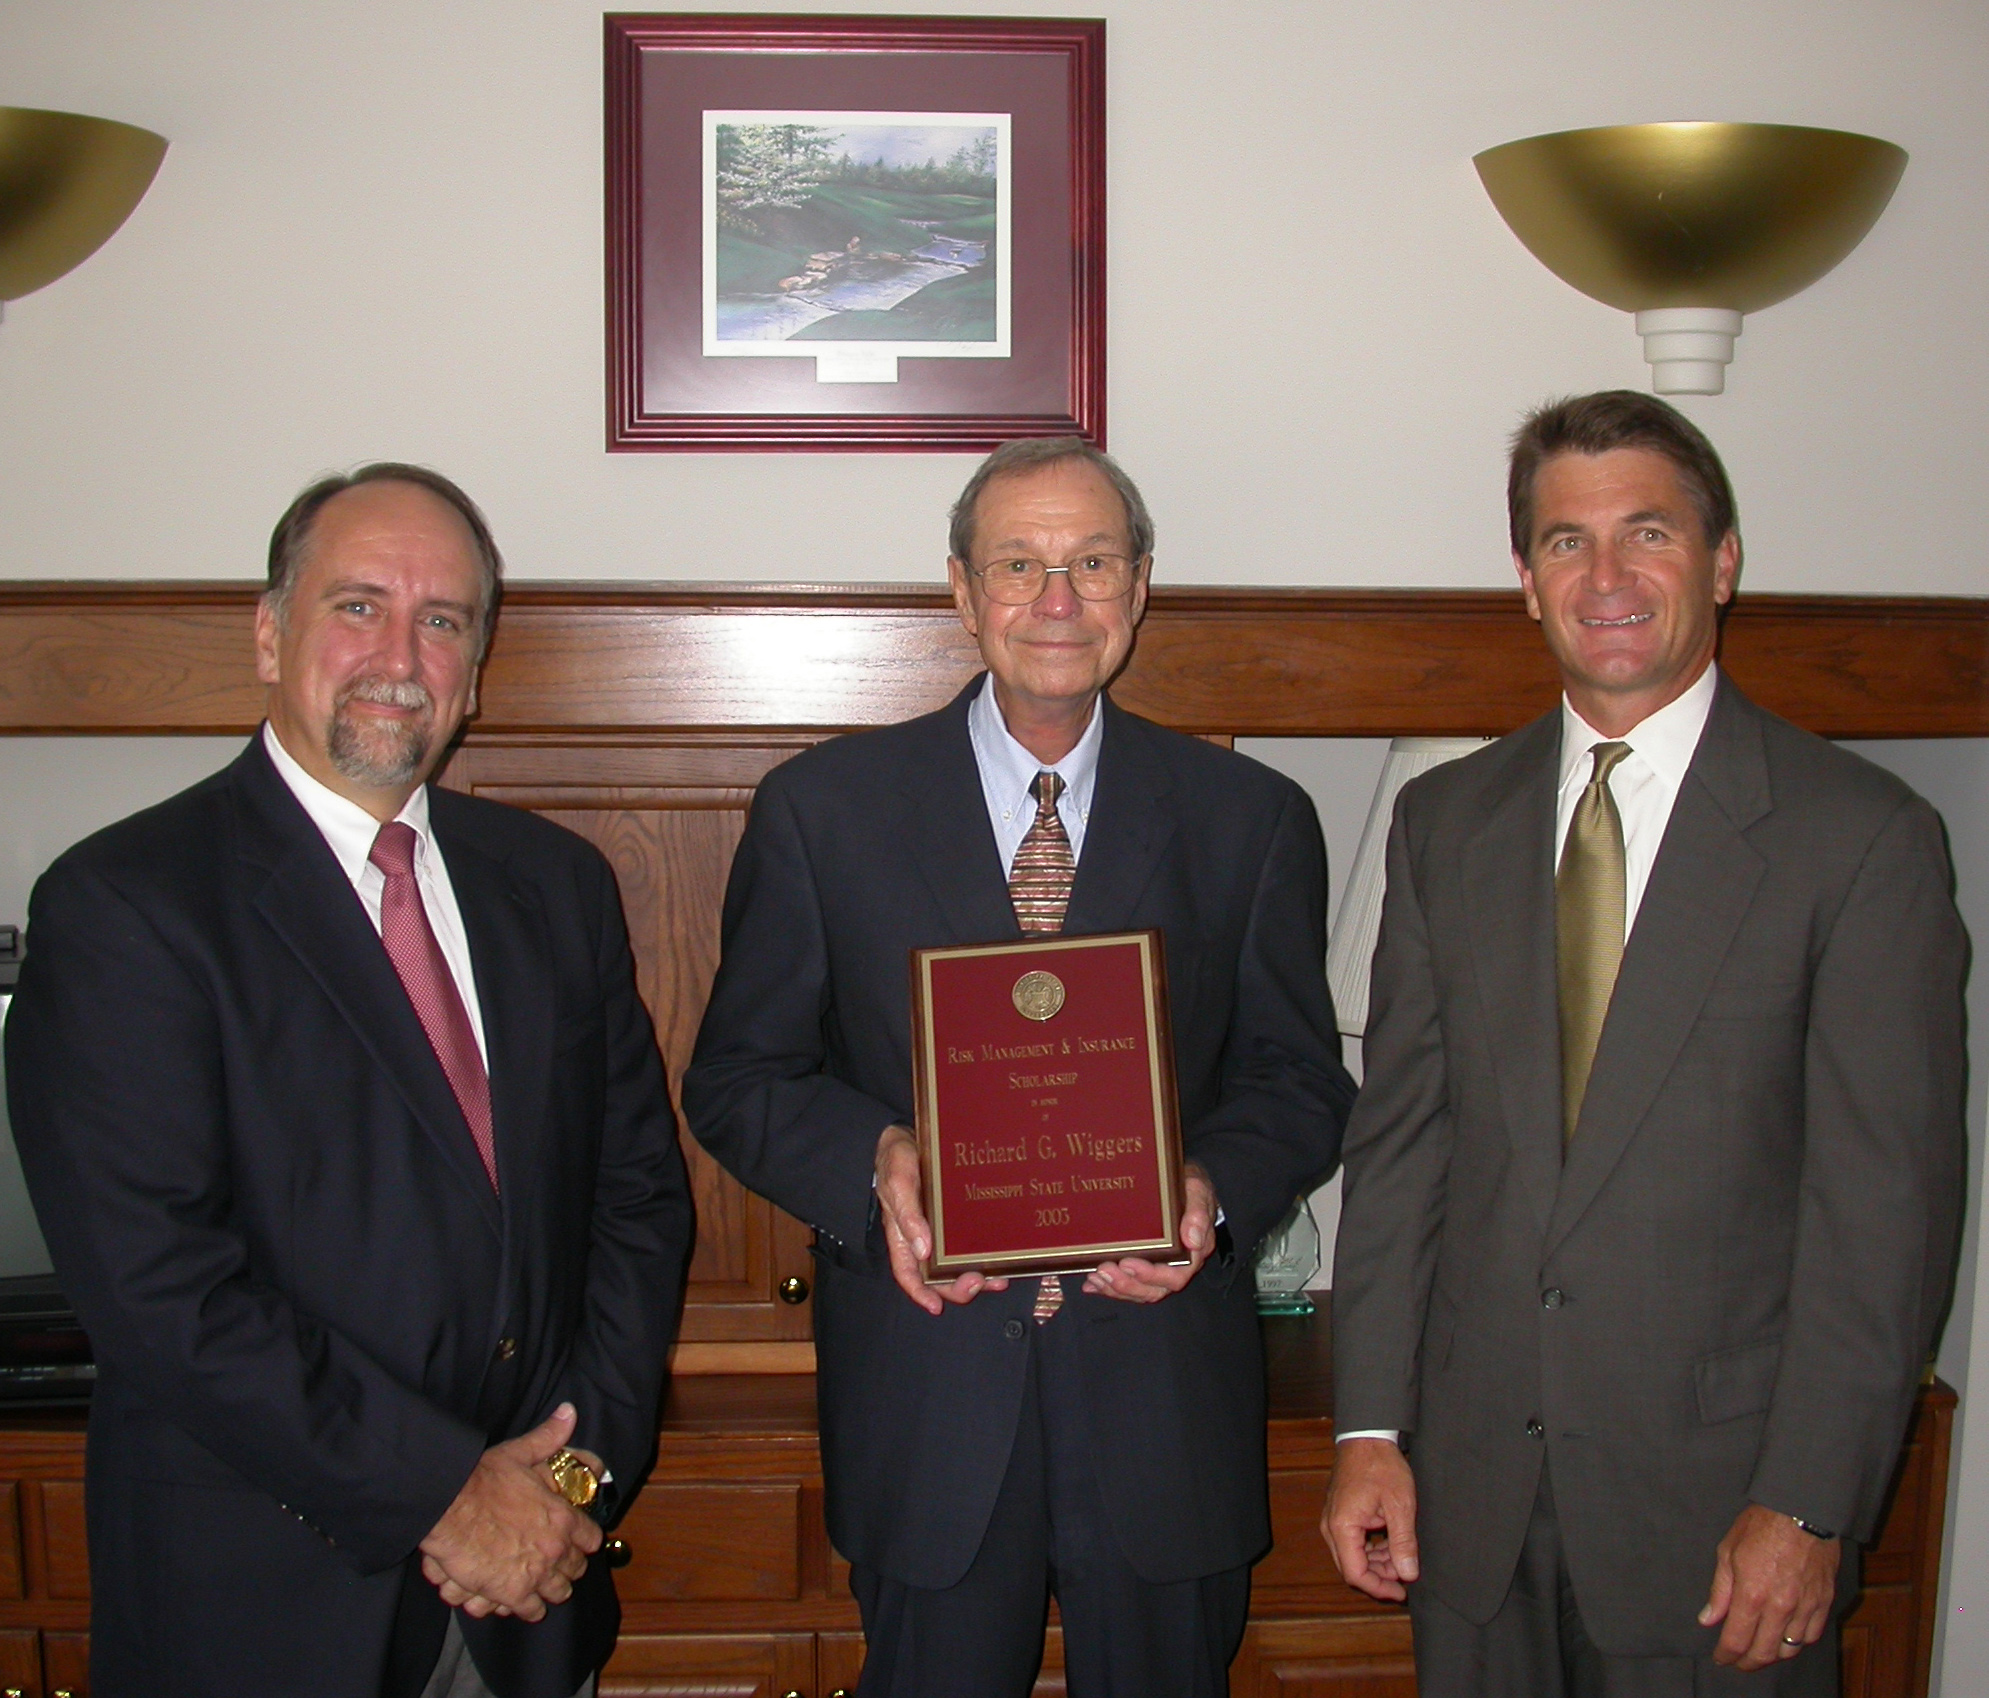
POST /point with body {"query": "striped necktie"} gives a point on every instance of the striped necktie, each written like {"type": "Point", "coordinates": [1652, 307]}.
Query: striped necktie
{"type": "Point", "coordinates": [431, 987]}
{"type": "Point", "coordinates": [1039, 882]}
{"type": "Point", "coordinates": [1039, 887]}
{"type": "Point", "coordinates": [1589, 906]}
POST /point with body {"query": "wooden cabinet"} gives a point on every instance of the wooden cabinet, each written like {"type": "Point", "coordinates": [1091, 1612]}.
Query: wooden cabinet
{"type": "Point", "coordinates": [668, 815]}
{"type": "Point", "coordinates": [745, 1587]}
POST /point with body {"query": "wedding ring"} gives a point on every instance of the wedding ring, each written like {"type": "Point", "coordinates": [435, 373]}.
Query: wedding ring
{"type": "Point", "coordinates": [1786, 1640]}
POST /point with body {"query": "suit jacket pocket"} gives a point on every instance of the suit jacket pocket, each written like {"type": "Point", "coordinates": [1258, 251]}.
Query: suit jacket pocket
{"type": "Point", "coordinates": [1733, 1383]}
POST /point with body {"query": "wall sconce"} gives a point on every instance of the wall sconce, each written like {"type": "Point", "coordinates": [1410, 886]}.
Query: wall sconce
{"type": "Point", "coordinates": [1691, 225]}
{"type": "Point", "coordinates": [66, 183]}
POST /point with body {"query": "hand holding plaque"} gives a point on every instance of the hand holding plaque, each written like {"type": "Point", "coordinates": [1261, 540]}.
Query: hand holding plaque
{"type": "Point", "coordinates": [1049, 1140]}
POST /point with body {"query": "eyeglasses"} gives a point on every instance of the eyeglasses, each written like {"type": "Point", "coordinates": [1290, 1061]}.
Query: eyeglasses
{"type": "Point", "coordinates": [1095, 577]}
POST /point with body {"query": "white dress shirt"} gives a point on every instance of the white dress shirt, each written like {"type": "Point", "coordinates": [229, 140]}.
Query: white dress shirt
{"type": "Point", "coordinates": [1644, 784]}
{"type": "Point", "coordinates": [350, 830]}
{"type": "Point", "coordinates": [1008, 770]}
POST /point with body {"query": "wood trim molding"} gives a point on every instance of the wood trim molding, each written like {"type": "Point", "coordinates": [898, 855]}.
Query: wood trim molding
{"type": "Point", "coordinates": [604, 660]}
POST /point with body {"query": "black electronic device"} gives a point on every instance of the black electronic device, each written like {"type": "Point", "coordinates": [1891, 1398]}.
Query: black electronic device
{"type": "Point", "coordinates": [44, 1352]}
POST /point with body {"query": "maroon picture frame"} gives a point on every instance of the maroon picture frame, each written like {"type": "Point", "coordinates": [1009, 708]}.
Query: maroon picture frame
{"type": "Point", "coordinates": [665, 70]}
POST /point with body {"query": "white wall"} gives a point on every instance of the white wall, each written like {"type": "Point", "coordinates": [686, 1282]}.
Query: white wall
{"type": "Point", "coordinates": [378, 233]}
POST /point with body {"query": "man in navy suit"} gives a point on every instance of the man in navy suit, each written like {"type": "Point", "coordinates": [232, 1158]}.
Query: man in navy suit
{"type": "Point", "coordinates": [349, 1136]}
{"type": "Point", "coordinates": [990, 1442]}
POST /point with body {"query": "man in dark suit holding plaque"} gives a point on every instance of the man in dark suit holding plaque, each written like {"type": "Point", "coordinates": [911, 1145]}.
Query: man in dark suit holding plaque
{"type": "Point", "coordinates": [1651, 1196]}
{"type": "Point", "coordinates": [988, 1442]}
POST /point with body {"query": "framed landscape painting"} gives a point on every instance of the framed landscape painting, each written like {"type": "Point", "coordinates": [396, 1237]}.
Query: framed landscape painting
{"type": "Point", "coordinates": [850, 233]}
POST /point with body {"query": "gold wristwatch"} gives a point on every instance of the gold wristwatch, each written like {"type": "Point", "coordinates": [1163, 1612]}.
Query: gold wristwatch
{"type": "Point", "coordinates": [576, 1481]}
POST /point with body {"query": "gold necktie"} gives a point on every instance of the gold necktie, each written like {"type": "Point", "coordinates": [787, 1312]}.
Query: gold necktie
{"type": "Point", "coordinates": [1588, 927]}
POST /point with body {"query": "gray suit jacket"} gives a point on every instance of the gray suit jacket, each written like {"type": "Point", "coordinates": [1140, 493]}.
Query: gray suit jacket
{"type": "Point", "coordinates": [1727, 1292]}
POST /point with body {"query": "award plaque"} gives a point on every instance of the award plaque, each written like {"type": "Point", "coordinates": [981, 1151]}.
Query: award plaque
{"type": "Point", "coordinates": [1049, 1139]}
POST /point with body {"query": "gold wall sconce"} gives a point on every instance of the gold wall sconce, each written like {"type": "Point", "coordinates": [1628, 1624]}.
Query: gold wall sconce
{"type": "Point", "coordinates": [1690, 226]}
{"type": "Point", "coordinates": [66, 183]}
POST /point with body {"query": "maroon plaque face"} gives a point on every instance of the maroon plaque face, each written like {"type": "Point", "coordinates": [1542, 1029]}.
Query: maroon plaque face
{"type": "Point", "coordinates": [1047, 1128]}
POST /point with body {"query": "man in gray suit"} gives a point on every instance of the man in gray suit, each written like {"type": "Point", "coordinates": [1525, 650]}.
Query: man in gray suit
{"type": "Point", "coordinates": [1652, 1192]}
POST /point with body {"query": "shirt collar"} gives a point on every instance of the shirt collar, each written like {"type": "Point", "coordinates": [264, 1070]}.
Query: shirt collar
{"type": "Point", "coordinates": [1013, 768]}
{"type": "Point", "coordinates": [1666, 739]}
{"type": "Point", "coordinates": [345, 825]}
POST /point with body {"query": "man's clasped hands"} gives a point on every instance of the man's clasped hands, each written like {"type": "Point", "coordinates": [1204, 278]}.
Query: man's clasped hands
{"type": "Point", "coordinates": [511, 1544]}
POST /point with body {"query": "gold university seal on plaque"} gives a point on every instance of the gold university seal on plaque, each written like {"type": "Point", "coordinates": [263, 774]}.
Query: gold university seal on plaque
{"type": "Point", "coordinates": [1038, 995]}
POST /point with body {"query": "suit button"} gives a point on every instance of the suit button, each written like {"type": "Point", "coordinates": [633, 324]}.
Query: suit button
{"type": "Point", "coordinates": [1534, 1429]}
{"type": "Point", "coordinates": [1012, 1329]}
{"type": "Point", "coordinates": [1553, 1298]}
{"type": "Point", "coordinates": [506, 1349]}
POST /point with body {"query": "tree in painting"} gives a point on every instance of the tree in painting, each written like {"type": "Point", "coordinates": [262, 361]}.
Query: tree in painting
{"type": "Point", "coordinates": [871, 231]}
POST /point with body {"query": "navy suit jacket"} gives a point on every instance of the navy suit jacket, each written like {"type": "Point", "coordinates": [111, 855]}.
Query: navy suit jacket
{"type": "Point", "coordinates": [869, 846]}
{"type": "Point", "coordinates": [310, 1310]}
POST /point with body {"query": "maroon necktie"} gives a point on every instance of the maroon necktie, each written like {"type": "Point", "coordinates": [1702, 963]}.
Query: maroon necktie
{"type": "Point", "coordinates": [431, 987]}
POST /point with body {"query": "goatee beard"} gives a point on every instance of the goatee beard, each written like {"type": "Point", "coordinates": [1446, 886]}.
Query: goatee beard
{"type": "Point", "coordinates": [380, 753]}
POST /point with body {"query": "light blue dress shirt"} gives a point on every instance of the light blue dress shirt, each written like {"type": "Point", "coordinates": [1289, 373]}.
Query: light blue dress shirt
{"type": "Point", "coordinates": [1008, 770]}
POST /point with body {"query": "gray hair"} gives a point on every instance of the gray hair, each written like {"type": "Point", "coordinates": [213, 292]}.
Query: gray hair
{"type": "Point", "coordinates": [290, 542]}
{"type": "Point", "coordinates": [1032, 453]}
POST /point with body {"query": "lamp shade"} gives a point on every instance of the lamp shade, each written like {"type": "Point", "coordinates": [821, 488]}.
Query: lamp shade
{"type": "Point", "coordinates": [1350, 949]}
{"type": "Point", "coordinates": [1691, 225]}
{"type": "Point", "coordinates": [66, 183]}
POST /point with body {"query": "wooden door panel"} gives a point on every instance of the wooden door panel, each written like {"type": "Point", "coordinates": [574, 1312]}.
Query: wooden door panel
{"type": "Point", "coordinates": [710, 1665]}
{"type": "Point", "coordinates": [668, 817]}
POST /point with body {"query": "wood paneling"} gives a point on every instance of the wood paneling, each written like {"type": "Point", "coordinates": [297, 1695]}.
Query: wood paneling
{"type": "Point", "coordinates": [66, 1540]}
{"type": "Point", "coordinates": [603, 659]}
{"type": "Point", "coordinates": [20, 1663]}
{"type": "Point", "coordinates": [668, 814]}
{"type": "Point", "coordinates": [13, 1578]}
{"type": "Point", "coordinates": [713, 1542]}
{"type": "Point", "coordinates": [1370, 1658]}
{"type": "Point", "coordinates": [65, 1664]}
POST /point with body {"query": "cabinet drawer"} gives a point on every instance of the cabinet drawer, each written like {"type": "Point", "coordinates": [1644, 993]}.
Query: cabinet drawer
{"type": "Point", "coordinates": [713, 1542]}
{"type": "Point", "coordinates": [20, 1663]}
{"type": "Point", "coordinates": [710, 1665]}
{"type": "Point", "coordinates": [66, 1542]}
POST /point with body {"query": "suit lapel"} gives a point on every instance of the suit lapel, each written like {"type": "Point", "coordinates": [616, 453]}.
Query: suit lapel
{"type": "Point", "coordinates": [1128, 830]}
{"type": "Point", "coordinates": [512, 961]}
{"type": "Point", "coordinates": [1508, 879]}
{"type": "Point", "coordinates": [946, 822]}
{"type": "Point", "coordinates": [1700, 888]}
{"type": "Point", "coordinates": [310, 904]}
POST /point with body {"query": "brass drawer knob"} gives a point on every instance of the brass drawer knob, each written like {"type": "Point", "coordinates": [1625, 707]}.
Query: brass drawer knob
{"type": "Point", "coordinates": [617, 1553]}
{"type": "Point", "coordinates": [794, 1289]}
{"type": "Point", "coordinates": [840, 1692]}
{"type": "Point", "coordinates": [790, 1695]}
